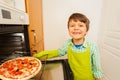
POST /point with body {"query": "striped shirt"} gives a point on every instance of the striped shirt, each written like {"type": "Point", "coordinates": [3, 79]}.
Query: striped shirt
{"type": "Point", "coordinates": [95, 60]}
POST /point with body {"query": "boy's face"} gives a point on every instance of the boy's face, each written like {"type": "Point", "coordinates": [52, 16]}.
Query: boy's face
{"type": "Point", "coordinates": [77, 29]}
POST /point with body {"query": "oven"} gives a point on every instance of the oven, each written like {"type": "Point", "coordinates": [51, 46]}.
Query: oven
{"type": "Point", "coordinates": [14, 41]}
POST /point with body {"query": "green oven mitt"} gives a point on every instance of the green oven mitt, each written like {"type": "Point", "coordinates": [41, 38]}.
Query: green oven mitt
{"type": "Point", "coordinates": [46, 54]}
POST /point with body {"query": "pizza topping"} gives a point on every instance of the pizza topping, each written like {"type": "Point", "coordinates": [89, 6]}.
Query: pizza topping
{"type": "Point", "coordinates": [30, 63]}
{"type": "Point", "coordinates": [17, 70]}
{"type": "Point", "coordinates": [22, 62]}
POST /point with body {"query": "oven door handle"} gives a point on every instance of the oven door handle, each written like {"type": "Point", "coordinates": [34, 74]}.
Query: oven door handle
{"type": "Point", "coordinates": [34, 35]}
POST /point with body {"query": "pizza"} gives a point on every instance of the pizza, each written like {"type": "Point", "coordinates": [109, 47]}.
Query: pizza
{"type": "Point", "coordinates": [22, 68]}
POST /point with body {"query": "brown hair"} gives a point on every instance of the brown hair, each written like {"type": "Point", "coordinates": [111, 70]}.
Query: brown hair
{"type": "Point", "coordinates": [79, 17]}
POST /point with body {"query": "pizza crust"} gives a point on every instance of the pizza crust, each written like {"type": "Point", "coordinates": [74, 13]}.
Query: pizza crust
{"type": "Point", "coordinates": [27, 77]}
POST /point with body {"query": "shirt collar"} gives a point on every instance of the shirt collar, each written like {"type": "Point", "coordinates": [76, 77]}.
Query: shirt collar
{"type": "Point", "coordinates": [84, 44]}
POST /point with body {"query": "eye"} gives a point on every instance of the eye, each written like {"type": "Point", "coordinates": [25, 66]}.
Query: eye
{"type": "Point", "coordinates": [81, 26]}
{"type": "Point", "coordinates": [71, 26]}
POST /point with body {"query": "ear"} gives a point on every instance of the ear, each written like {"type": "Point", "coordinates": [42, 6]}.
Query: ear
{"type": "Point", "coordinates": [86, 33]}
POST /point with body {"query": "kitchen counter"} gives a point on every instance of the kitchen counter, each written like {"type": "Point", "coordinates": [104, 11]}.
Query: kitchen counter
{"type": "Point", "coordinates": [54, 70]}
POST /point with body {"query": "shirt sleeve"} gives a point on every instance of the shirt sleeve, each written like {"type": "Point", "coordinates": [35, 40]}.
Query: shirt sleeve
{"type": "Point", "coordinates": [96, 66]}
{"type": "Point", "coordinates": [63, 50]}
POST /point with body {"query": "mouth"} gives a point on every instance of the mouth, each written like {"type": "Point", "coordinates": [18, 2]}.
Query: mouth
{"type": "Point", "coordinates": [76, 33]}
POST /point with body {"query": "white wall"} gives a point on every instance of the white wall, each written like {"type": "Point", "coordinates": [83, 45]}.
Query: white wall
{"type": "Point", "coordinates": [8, 2]}
{"type": "Point", "coordinates": [18, 4]}
{"type": "Point", "coordinates": [56, 14]}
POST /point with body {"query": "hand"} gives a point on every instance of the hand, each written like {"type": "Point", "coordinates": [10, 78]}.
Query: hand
{"type": "Point", "coordinates": [46, 54]}
{"type": "Point", "coordinates": [41, 55]}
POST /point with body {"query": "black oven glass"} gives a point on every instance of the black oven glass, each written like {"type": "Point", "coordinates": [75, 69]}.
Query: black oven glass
{"type": "Point", "coordinates": [14, 41]}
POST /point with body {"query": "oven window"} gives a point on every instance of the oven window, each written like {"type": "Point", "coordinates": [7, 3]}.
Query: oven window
{"type": "Point", "coordinates": [11, 42]}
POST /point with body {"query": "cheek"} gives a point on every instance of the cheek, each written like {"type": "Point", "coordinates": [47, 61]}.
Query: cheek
{"type": "Point", "coordinates": [85, 32]}
{"type": "Point", "coordinates": [70, 30]}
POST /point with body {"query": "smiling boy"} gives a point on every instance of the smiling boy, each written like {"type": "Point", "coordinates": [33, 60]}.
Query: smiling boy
{"type": "Point", "coordinates": [83, 56]}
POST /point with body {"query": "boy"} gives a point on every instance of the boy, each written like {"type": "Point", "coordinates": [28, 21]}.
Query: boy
{"type": "Point", "coordinates": [83, 56]}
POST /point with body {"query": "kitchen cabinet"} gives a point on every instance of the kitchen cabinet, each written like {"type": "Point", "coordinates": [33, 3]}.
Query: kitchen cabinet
{"type": "Point", "coordinates": [34, 10]}
{"type": "Point", "coordinates": [54, 70]}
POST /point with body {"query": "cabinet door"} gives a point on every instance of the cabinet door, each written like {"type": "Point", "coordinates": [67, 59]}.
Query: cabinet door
{"type": "Point", "coordinates": [34, 10]}
{"type": "Point", "coordinates": [109, 39]}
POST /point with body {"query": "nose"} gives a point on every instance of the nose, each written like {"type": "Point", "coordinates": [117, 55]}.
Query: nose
{"type": "Point", "coordinates": [76, 27]}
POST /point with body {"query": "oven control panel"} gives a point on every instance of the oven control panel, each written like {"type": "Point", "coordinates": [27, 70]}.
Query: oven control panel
{"type": "Point", "coordinates": [11, 15]}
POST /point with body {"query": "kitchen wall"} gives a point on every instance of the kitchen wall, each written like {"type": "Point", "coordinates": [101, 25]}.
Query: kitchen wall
{"type": "Point", "coordinates": [56, 14]}
{"type": "Point", "coordinates": [19, 4]}
{"type": "Point", "coordinates": [8, 2]}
